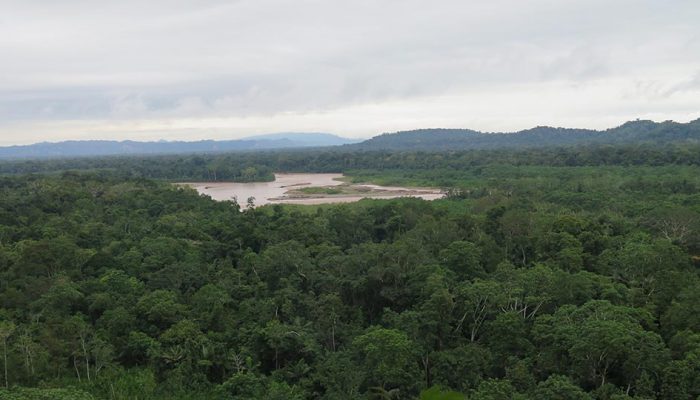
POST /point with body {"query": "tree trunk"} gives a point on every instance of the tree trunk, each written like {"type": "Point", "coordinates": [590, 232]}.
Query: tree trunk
{"type": "Point", "coordinates": [86, 356]}
{"type": "Point", "coordinates": [77, 371]}
{"type": "Point", "coordinates": [4, 345]}
{"type": "Point", "coordinates": [426, 368]}
{"type": "Point", "coordinates": [333, 335]}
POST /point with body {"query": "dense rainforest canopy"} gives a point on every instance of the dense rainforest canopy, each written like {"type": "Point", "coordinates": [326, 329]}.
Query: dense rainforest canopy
{"type": "Point", "coordinates": [560, 274]}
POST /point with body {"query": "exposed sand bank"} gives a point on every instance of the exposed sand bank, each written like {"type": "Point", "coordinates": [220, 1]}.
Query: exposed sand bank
{"type": "Point", "coordinates": [307, 189]}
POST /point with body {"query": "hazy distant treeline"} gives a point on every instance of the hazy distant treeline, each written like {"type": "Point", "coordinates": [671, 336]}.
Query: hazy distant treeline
{"type": "Point", "coordinates": [258, 166]}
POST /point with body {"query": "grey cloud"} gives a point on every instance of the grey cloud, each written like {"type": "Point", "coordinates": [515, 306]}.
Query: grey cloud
{"type": "Point", "coordinates": [691, 84]}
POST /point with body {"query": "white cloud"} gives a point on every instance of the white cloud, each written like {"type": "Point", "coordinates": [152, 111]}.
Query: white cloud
{"type": "Point", "coordinates": [185, 69]}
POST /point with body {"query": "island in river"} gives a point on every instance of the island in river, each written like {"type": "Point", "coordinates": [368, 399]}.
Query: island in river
{"type": "Point", "coordinates": [307, 189]}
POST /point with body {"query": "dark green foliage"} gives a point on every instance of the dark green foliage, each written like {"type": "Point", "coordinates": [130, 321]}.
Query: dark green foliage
{"type": "Point", "coordinates": [44, 394]}
{"type": "Point", "coordinates": [537, 282]}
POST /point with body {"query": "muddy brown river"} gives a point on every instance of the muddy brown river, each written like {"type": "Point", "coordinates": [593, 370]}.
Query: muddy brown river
{"type": "Point", "coordinates": [288, 189]}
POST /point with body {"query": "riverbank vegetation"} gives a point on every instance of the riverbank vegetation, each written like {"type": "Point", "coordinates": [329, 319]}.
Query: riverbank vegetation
{"type": "Point", "coordinates": [550, 279]}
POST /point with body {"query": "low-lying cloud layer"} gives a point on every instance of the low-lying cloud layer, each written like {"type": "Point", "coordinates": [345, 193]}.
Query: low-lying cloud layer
{"type": "Point", "coordinates": [177, 69]}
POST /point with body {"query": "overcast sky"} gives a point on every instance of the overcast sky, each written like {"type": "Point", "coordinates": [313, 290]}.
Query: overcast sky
{"type": "Point", "coordinates": [176, 69]}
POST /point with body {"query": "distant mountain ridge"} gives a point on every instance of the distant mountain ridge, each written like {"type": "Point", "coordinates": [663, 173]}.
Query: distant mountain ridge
{"type": "Point", "coordinates": [83, 148]}
{"type": "Point", "coordinates": [632, 132]}
{"type": "Point", "coordinates": [640, 131]}
{"type": "Point", "coordinates": [309, 139]}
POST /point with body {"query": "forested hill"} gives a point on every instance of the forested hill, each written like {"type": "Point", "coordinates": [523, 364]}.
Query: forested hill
{"type": "Point", "coordinates": [81, 148]}
{"type": "Point", "coordinates": [633, 132]}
